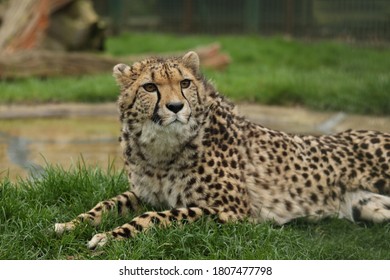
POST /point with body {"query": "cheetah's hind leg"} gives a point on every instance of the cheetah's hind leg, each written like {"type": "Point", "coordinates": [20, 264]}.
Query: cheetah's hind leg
{"type": "Point", "coordinates": [364, 206]}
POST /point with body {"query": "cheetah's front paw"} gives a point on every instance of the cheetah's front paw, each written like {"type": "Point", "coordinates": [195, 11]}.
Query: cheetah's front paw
{"type": "Point", "coordinates": [98, 240]}
{"type": "Point", "coordinates": [60, 228]}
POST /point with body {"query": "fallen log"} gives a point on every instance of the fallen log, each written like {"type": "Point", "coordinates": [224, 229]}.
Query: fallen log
{"type": "Point", "coordinates": [41, 63]}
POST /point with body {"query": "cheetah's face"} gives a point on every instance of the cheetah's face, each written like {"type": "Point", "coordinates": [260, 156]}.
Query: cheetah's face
{"type": "Point", "coordinates": [164, 92]}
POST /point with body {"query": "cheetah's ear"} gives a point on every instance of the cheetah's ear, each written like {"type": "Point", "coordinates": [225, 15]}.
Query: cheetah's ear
{"type": "Point", "coordinates": [121, 73]}
{"type": "Point", "coordinates": [191, 60]}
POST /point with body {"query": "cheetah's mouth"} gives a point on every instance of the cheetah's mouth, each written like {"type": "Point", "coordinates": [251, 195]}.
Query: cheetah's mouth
{"type": "Point", "coordinates": [175, 120]}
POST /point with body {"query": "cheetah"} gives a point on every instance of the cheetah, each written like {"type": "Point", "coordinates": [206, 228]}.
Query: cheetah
{"type": "Point", "coordinates": [188, 152]}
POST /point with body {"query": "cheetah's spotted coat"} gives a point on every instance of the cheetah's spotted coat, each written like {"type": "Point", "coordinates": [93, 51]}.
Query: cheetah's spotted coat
{"type": "Point", "coordinates": [186, 149]}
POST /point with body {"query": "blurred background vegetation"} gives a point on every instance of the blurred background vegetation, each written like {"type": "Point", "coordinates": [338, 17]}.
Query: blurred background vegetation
{"type": "Point", "coordinates": [348, 19]}
{"type": "Point", "coordinates": [323, 54]}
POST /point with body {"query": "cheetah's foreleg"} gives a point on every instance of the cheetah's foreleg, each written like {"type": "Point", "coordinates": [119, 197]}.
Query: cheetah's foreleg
{"type": "Point", "coordinates": [124, 203]}
{"type": "Point", "coordinates": [162, 219]}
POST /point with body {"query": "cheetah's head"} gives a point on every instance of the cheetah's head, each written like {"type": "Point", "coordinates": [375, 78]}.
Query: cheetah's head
{"type": "Point", "coordinates": [166, 92]}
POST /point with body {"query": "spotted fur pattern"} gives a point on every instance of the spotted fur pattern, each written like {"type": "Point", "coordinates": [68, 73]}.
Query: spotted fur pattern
{"type": "Point", "coordinates": [186, 149]}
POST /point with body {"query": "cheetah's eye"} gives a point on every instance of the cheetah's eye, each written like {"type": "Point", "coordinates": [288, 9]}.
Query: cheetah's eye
{"type": "Point", "coordinates": [150, 87]}
{"type": "Point", "coordinates": [185, 83]}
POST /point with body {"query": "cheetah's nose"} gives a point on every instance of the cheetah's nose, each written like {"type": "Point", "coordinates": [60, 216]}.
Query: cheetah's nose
{"type": "Point", "coordinates": [175, 106]}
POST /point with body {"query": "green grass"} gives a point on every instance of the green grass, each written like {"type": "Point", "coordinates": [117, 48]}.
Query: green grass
{"type": "Point", "coordinates": [320, 75]}
{"type": "Point", "coordinates": [29, 209]}
{"type": "Point", "coordinates": [95, 88]}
